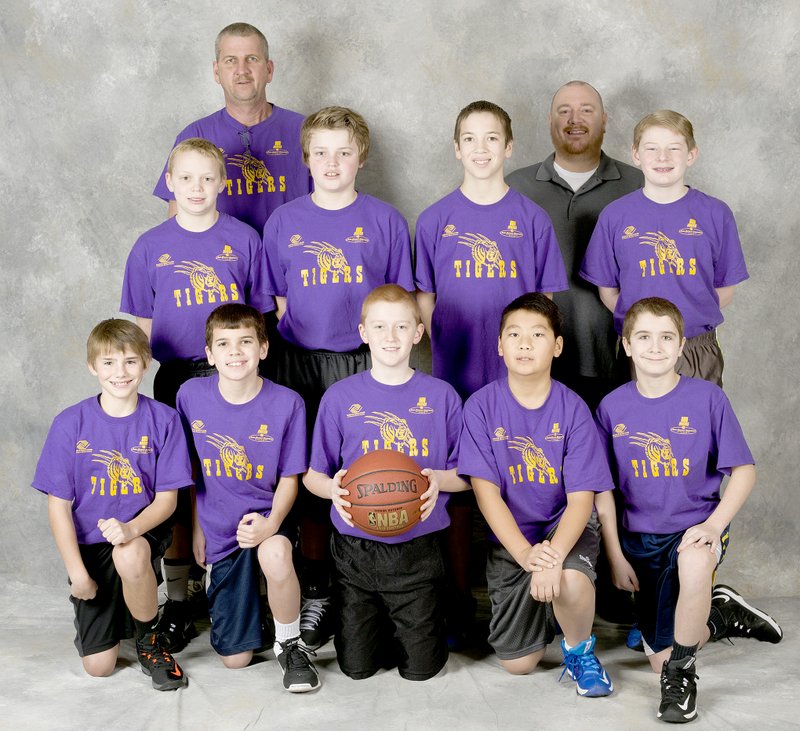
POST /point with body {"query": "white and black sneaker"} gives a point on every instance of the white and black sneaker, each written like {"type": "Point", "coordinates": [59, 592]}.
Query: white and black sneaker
{"type": "Point", "coordinates": [678, 691]}
{"type": "Point", "coordinates": [299, 673]}
{"type": "Point", "coordinates": [741, 619]}
{"type": "Point", "coordinates": [316, 622]}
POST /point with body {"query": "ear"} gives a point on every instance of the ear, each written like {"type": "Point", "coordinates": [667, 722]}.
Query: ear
{"type": "Point", "coordinates": [91, 368]}
{"type": "Point", "coordinates": [209, 357]}
{"type": "Point", "coordinates": [508, 149]}
{"type": "Point", "coordinates": [262, 351]}
{"type": "Point", "coordinates": [222, 186]}
{"type": "Point", "coordinates": [635, 156]}
{"type": "Point", "coordinates": [168, 179]}
{"type": "Point", "coordinates": [457, 149]}
{"type": "Point", "coordinates": [499, 347]}
{"type": "Point", "coordinates": [627, 346]}
{"type": "Point", "coordinates": [419, 332]}
{"type": "Point", "coordinates": [693, 153]}
{"type": "Point", "coordinates": [362, 331]}
{"type": "Point", "coordinates": [270, 69]}
{"type": "Point", "coordinates": [559, 347]}
{"type": "Point", "coordinates": [216, 71]}
{"type": "Point", "coordinates": [683, 343]}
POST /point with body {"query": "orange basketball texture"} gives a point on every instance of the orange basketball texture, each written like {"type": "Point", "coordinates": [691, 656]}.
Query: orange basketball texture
{"type": "Point", "coordinates": [385, 488]}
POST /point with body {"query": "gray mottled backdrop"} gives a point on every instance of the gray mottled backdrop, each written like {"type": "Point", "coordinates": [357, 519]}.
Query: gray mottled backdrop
{"type": "Point", "coordinates": [93, 93]}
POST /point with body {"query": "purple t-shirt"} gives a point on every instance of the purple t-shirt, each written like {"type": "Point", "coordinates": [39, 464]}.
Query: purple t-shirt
{"type": "Point", "coordinates": [671, 453]}
{"type": "Point", "coordinates": [177, 277]}
{"type": "Point", "coordinates": [242, 451]}
{"type": "Point", "coordinates": [476, 259]}
{"type": "Point", "coordinates": [680, 251]}
{"type": "Point", "coordinates": [420, 418]}
{"type": "Point", "coordinates": [325, 262]}
{"type": "Point", "coordinates": [535, 456]}
{"type": "Point", "coordinates": [112, 467]}
{"type": "Point", "coordinates": [264, 163]}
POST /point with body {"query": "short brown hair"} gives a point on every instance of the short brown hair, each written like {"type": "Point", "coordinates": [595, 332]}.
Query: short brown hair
{"type": "Point", "coordinates": [391, 293]}
{"type": "Point", "coordinates": [336, 118]}
{"type": "Point", "coordinates": [484, 106]}
{"type": "Point", "coordinates": [537, 303]}
{"type": "Point", "coordinates": [242, 30]}
{"type": "Point", "coordinates": [235, 316]}
{"type": "Point", "coordinates": [204, 147]}
{"type": "Point", "coordinates": [117, 334]}
{"type": "Point", "coordinates": [657, 306]}
{"type": "Point", "coordinates": [674, 121]}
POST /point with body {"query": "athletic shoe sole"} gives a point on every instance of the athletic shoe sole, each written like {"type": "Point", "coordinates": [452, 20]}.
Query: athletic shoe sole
{"type": "Point", "coordinates": [721, 590]}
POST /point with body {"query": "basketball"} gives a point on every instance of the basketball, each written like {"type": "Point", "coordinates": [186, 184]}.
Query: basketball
{"type": "Point", "coordinates": [385, 489]}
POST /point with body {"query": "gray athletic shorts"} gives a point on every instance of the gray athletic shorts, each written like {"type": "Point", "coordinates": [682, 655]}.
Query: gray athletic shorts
{"type": "Point", "coordinates": [520, 625]}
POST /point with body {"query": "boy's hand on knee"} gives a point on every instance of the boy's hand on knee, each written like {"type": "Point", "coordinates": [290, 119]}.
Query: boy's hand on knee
{"type": "Point", "coordinates": [539, 557]}
{"type": "Point", "coordinates": [338, 493]}
{"type": "Point", "coordinates": [83, 587]}
{"type": "Point", "coordinates": [431, 495]}
{"type": "Point", "coordinates": [253, 530]}
{"type": "Point", "coordinates": [116, 532]}
{"type": "Point", "coordinates": [701, 535]}
{"type": "Point", "coordinates": [546, 584]}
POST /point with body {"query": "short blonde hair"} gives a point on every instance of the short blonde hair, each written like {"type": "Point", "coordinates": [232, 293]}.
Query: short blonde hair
{"type": "Point", "coordinates": [674, 121]}
{"type": "Point", "coordinates": [204, 147]}
{"type": "Point", "coordinates": [117, 335]}
{"type": "Point", "coordinates": [392, 293]}
{"type": "Point", "coordinates": [336, 118]}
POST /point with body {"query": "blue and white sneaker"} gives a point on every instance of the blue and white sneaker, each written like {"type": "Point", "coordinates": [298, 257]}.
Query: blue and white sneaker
{"type": "Point", "coordinates": [582, 665]}
{"type": "Point", "coordinates": [634, 639]}
{"type": "Point", "coordinates": [742, 619]}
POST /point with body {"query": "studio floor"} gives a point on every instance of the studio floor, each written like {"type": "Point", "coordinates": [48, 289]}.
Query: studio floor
{"type": "Point", "coordinates": [748, 685]}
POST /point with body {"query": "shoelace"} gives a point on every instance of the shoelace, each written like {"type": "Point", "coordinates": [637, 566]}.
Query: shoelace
{"type": "Point", "coordinates": [313, 611]}
{"type": "Point", "coordinates": [674, 684]}
{"type": "Point", "coordinates": [156, 654]}
{"type": "Point", "coordinates": [578, 665]}
{"type": "Point", "coordinates": [297, 659]}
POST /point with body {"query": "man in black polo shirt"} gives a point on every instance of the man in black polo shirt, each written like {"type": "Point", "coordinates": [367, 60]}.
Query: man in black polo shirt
{"type": "Point", "coordinates": [573, 185]}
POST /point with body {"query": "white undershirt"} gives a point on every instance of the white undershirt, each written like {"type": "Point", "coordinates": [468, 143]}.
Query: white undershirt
{"type": "Point", "coordinates": [574, 180]}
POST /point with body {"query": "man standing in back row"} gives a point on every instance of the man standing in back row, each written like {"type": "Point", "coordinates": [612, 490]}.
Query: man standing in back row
{"type": "Point", "coordinates": [573, 185]}
{"type": "Point", "coordinates": [260, 140]}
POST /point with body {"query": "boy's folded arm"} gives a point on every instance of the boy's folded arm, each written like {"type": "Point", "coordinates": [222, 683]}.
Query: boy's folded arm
{"type": "Point", "coordinates": [609, 297]}
{"type": "Point", "coordinates": [573, 521]}
{"type": "Point", "coordinates": [500, 520]}
{"type": "Point", "coordinates": [162, 507]}
{"type": "Point", "coordinates": [285, 495]}
{"type": "Point", "coordinates": [59, 512]}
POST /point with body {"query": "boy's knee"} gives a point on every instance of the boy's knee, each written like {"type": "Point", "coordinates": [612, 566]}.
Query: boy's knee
{"type": "Point", "coordinates": [522, 665]}
{"type": "Point", "coordinates": [275, 557]}
{"type": "Point", "coordinates": [575, 584]}
{"type": "Point", "coordinates": [132, 560]}
{"type": "Point", "coordinates": [101, 664]}
{"type": "Point", "coordinates": [237, 661]}
{"type": "Point", "coordinates": [696, 564]}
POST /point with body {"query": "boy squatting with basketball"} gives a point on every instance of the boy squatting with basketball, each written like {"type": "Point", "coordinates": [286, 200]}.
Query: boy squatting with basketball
{"type": "Point", "coordinates": [325, 252]}
{"type": "Point", "coordinates": [671, 440]}
{"type": "Point", "coordinates": [669, 240]}
{"type": "Point", "coordinates": [176, 274]}
{"type": "Point", "coordinates": [249, 443]}
{"type": "Point", "coordinates": [397, 578]}
{"type": "Point", "coordinates": [111, 467]}
{"type": "Point", "coordinates": [533, 455]}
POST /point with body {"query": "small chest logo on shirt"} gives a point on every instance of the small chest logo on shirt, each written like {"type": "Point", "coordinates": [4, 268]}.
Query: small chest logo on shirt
{"type": "Point", "coordinates": [421, 407]}
{"type": "Point", "coordinates": [227, 254]}
{"type": "Point", "coordinates": [630, 232]}
{"type": "Point", "coordinates": [512, 232]}
{"type": "Point", "coordinates": [122, 478]}
{"type": "Point", "coordinates": [691, 229]}
{"type": "Point", "coordinates": [537, 466]}
{"type": "Point", "coordinates": [620, 430]}
{"type": "Point", "coordinates": [395, 433]}
{"type": "Point", "coordinates": [143, 447]}
{"type": "Point", "coordinates": [683, 427]}
{"type": "Point", "coordinates": [358, 237]}
{"type": "Point", "coordinates": [500, 435]}
{"type": "Point", "coordinates": [277, 149]}
{"type": "Point", "coordinates": [296, 240]}
{"type": "Point", "coordinates": [449, 230]}
{"type": "Point", "coordinates": [355, 410]}
{"type": "Point", "coordinates": [82, 447]}
{"type": "Point", "coordinates": [261, 435]}
{"type": "Point", "coordinates": [555, 434]}
{"type": "Point", "coordinates": [165, 260]}
{"type": "Point", "coordinates": [198, 427]}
